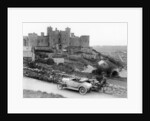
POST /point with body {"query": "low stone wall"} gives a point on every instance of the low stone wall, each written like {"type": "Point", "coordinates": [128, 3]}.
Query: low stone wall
{"type": "Point", "coordinates": [89, 56]}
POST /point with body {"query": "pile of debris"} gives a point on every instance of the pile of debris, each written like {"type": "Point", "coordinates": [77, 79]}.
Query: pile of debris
{"type": "Point", "coordinates": [116, 90]}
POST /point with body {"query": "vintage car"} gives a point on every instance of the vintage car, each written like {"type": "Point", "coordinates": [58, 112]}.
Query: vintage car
{"type": "Point", "coordinates": [75, 84]}
{"type": "Point", "coordinates": [95, 84]}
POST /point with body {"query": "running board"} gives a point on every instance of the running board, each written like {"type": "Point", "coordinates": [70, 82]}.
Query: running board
{"type": "Point", "coordinates": [71, 88]}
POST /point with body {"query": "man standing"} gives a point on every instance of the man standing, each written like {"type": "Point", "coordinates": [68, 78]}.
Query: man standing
{"type": "Point", "coordinates": [103, 81]}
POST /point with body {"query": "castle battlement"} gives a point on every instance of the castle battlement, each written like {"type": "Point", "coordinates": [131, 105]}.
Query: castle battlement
{"type": "Point", "coordinates": [56, 39]}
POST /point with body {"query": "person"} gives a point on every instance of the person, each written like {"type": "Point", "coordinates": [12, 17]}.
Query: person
{"type": "Point", "coordinates": [50, 76]}
{"type": "Point", "coordinates": [53, 76]}
{"type": "Point", "coordinates": [103, 81]}
{"type": "Point", "coordinates": [99, 78]}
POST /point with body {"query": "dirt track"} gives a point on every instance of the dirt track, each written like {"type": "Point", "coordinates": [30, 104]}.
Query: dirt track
{"type": "Point", "coordinates": [34, 84]}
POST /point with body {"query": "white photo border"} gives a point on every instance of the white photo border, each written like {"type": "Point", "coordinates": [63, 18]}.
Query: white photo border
{"type": "Point", "coordinates": [18, 104]}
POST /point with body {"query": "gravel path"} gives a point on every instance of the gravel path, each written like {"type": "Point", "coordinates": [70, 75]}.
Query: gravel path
{"type": "Point", "coordinates": [34, 84]}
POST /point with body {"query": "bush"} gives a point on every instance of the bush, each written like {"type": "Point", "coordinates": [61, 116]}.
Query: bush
{"type": "Point", "coordinates": [50, 61]}
{"type": "Point", "coordinates": [99, 71]}
{"type": "Point", "coordinates": [99, 78]}
{"type": "Point", "coordinates": [32, 64]}
{"type": "Point", "coordinates": [46, 61]}
{"type": "Point", "coordinates": [60, 64]}
{"type": "Point", "coordinates": [41, 55]}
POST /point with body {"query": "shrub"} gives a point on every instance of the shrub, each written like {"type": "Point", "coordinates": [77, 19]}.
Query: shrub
{"type": "Point", "coordinates": [41, 55]}
{"type": "Point", "coordinates": [32, 64]}
{"type": "Point", "coordinates": [60, 64]}
{"type": "Point", "coordinates": [50, 61]}
{"type": "Point", "coordinates": [99, 71]}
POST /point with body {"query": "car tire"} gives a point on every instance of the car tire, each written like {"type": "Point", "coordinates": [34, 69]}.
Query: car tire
{"type": "Point", "coordinates": [60, 86]}
{"type": "Point", "coordinates": [82, 90]}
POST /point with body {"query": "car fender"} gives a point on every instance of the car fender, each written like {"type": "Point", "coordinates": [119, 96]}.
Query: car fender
{"type": "Point", "coordinates": [86, 85]}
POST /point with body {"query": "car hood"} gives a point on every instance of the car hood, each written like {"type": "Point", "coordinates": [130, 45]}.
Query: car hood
{"type": "Point", "coordinates": [83, 79]}
{"type": "Point", "coordinates": [89, 85]}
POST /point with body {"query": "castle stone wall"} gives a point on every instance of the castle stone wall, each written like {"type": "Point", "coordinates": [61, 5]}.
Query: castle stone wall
{"type": "Point", "coordinates": [75, 41]}
{"type": "Point", "coordinates": [84, 41]}
{"type": "Point", "coordinates": [33, 39]}
{"type": "Point", "coordinates": [65, 38]}
{"type": "Point", "coordinates": [42, 41]}
{"type": "Point", "coordinates": [25, 41]}
{"type": "Point", "coordinates": [87, 50]}
{"type": "Point", "coordinates": [56, 39]}
{"type": "Point", "coordinates": [50, 35]}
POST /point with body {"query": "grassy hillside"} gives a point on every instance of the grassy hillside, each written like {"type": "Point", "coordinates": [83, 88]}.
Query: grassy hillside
{"type": "Point", "coordinates": [39, 94]}
{"type": "Point", "coordinates": [117, 52]}
{"type": "Point", "coordinates": [108, 49]}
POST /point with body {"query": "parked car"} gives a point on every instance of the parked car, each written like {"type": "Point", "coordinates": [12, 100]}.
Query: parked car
{"type": "Point", "coordinates": [75, 84]}
{"type": "Point", "coordinates": [95, 84]}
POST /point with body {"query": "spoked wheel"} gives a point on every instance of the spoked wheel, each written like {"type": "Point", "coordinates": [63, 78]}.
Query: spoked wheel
{"type": "Point", "coordinates": [82, 90]}
{"type": "Point", "coordinates": [60, 86]}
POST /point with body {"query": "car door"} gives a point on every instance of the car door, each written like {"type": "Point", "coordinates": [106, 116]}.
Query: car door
{"type": "Point", "coordinates": [76, 83]}
{"type": "Point", "coordinates": [70, 83]}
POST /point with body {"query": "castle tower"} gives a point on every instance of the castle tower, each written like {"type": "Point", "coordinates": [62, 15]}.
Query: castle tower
{"type": "Point", "coordinates": [56, 29]}
{"type": "Point", "coordinates": [68, 30]}
{"type": "Point", "coordinates": [42, 34]}
{"type": "Point", "coordinates": [49, 30]}
{"type": "Point", "coordinates": [50, 36]}
{"type": "Point", "coordinates": [84, 41]}
{"type": "Point", "coordinates": [33, 39]}
{"type": "Point", "coordinates": [67, 37]}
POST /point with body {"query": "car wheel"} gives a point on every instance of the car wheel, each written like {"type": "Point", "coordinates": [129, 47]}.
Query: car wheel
{"type": "Point", "coordinates": [82, 90]}
{"type": "Point", "coordinates": [59, 86]}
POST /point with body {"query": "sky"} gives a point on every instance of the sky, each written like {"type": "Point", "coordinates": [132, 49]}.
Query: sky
{"type": "Point", "coordinates": [101, 34]}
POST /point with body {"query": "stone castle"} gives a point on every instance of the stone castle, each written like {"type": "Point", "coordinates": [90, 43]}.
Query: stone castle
{"type": "Point", "coordinates": [56, 39]}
